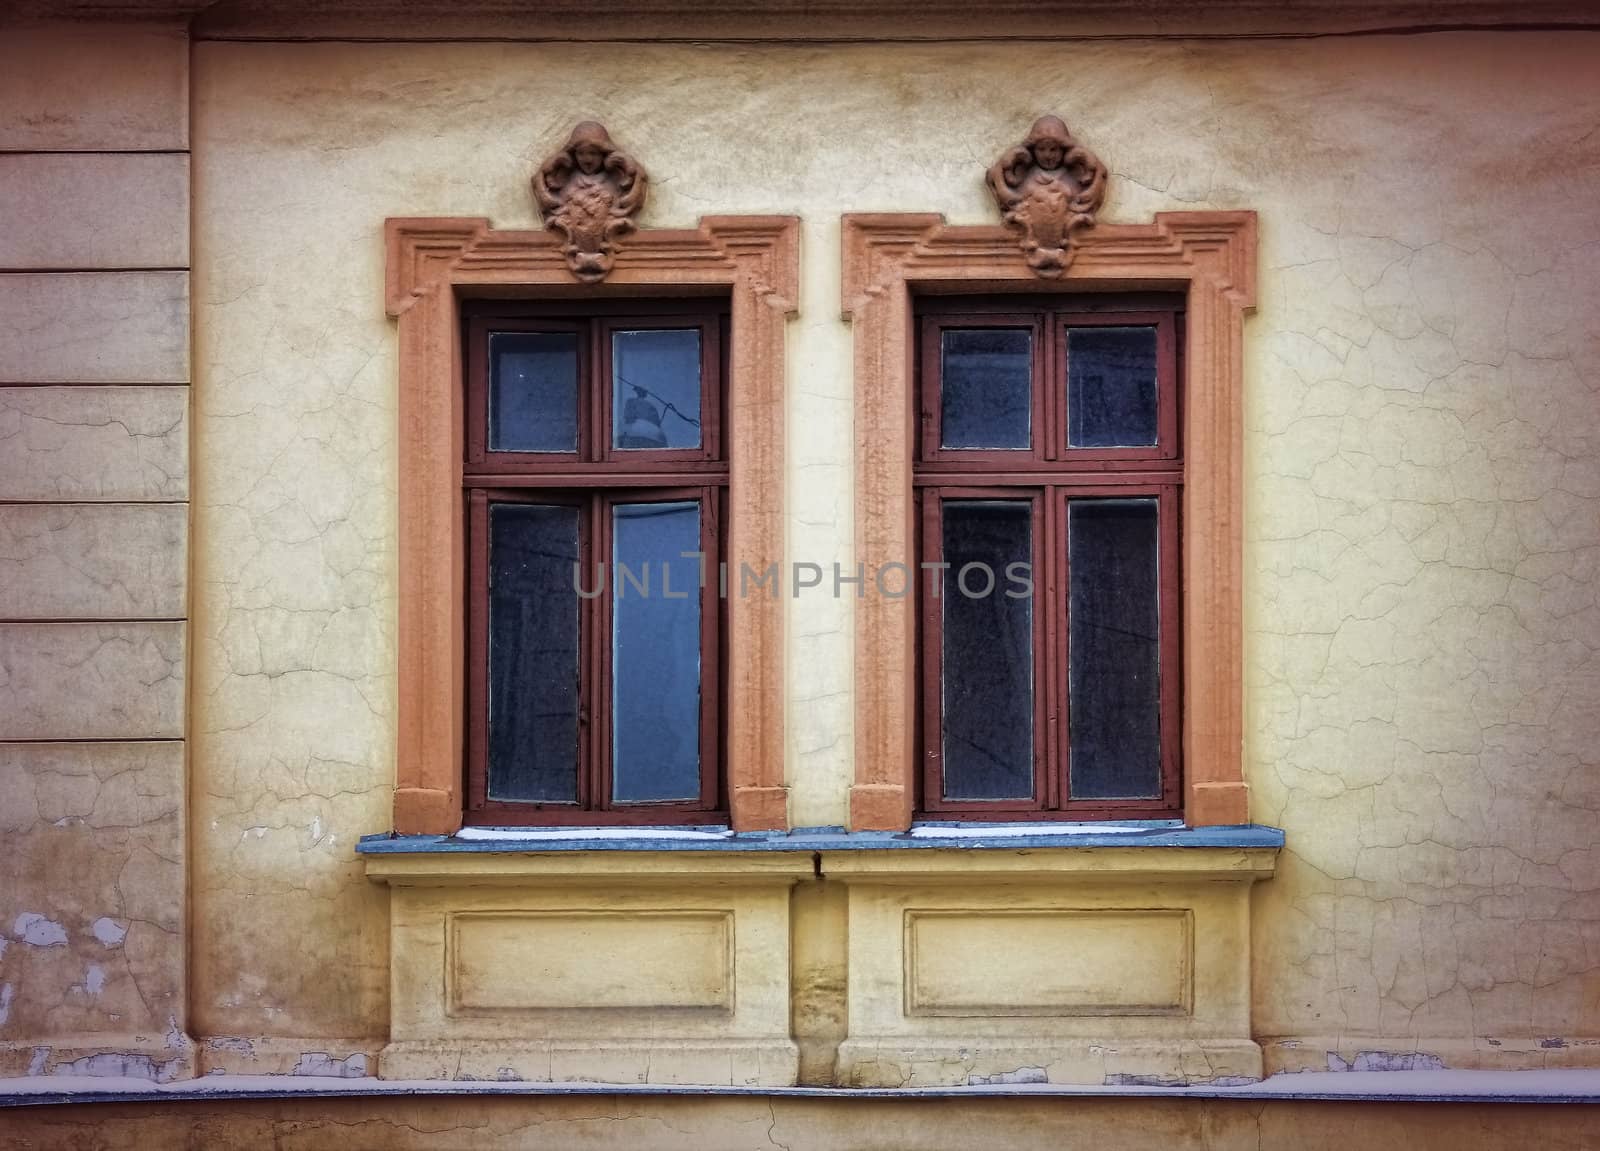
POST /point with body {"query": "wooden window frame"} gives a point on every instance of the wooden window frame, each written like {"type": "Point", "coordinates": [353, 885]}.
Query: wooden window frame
{"type": "Point", "coordinates": [632, 476]}
{"type": "Point", "coordinates": [890, 259]}
{"type": "Point", "coordinates": [435, 266]}
{"type": "Point", "coordinates": [1050, 475]}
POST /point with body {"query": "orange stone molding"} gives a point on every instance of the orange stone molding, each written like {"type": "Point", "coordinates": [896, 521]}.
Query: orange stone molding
{"type": "Point", "coordinates": [432, 264]}
{"type": "Point", "coordinates": [1211, 256]}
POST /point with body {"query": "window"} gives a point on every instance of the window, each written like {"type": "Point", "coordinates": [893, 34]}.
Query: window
{"type": "Point", "coordinates": [596, 481]}
{"type": "Point", "coordinates": [1049, 478]}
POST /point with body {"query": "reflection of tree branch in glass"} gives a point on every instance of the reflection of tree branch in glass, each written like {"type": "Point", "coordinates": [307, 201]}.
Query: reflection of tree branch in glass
{"type": "Point", "coordinates": [641, 419]}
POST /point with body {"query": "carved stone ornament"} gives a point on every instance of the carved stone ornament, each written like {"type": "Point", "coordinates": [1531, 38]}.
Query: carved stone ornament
{"type": "Point", "coordinates": [1050, 186]}
{"type": "Point", "coordinates": [589, 193]}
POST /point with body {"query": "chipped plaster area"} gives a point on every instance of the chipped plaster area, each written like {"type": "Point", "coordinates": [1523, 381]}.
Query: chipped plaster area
{"type": "Point", "coordinates": [1424, 486]}
{"type": "Point", "coordinates": [91, 909]}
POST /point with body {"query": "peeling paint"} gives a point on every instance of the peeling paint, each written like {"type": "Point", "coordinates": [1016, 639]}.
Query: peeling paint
{"type": "Point", "coordinates": [322, 1063]}
{"type": "Point", "coordinates": [117, 1064]}
{"type": "Point", "coordinates": [1386, 1061]}
{"type": "Point", "coordinates": [234, 1043]}
{"type": "Point", "coordinates": [1020, 1075]}
{"type": "Point", "coordinates": [37, 931]}
{"type": "Point", "coordinates": [109, 931]}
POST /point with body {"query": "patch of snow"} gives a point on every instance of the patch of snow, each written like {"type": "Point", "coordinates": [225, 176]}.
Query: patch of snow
{"type": "Point", "coordinates": [37, 931]}
{"type": "Point", "coordinates": [1013, 830]}
{"type": "Point", "coordinates": [1563, 1083]}
{"type": "Point", "coordinates": [109, 931]}
{"type": "Point", "coordinates": [94, 979]}
{"type": "Point", "coordinates": [5, 1002]}
{"type": "Point", "coordinates": [534, 835]}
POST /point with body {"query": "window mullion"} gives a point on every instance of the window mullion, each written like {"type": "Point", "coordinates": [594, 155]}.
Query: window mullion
{"type": "Point", "coordinates": [1048, 380]}
{"type": "Point", "coordinates": [933, 651]}
{"type": "Point", "coordinates": [710, 649]}
{"type": "Point", "coordinates": [1050, 578]}
{"type": "Point", "coordinates": [594, 795]}
{"type": "Point", "coordinates": [1169, 589]}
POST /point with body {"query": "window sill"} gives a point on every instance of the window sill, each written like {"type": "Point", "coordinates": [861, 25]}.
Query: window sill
{"type": "Point", "coordinates": [1105, 850]}
{"type": "Point", "coordinates": [947, 836]}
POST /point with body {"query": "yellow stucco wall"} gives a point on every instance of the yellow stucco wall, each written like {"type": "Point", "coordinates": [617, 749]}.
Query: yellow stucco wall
{"type": "Point", "coordinates": [1423, 509]}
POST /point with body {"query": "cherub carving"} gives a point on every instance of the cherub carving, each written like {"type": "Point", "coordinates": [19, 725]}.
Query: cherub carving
{"type": "Point", "coordinates": [589, 192]}
{"type": "Point", "coordinates": [1050, 186]}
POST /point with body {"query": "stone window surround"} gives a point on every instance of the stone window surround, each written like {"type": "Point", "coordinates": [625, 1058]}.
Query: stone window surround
{"type": "Point", "coordinates": [433, 263]}
{"type": "Point", "coordinates": [1211, 256]}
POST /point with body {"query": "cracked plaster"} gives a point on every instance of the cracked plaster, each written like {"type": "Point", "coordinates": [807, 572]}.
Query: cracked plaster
{"type": "Point", "coordinates": [122, 442]}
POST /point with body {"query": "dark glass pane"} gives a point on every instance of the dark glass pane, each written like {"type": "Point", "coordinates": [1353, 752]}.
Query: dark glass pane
{"type": "Point", "coordinates": [533, 653]}
{"type": "Point", "coordinates": [986, 388]}
{"type": "Point", "coordinates": [533, 392]}
{"type": "Point", "coordinates": [988, 652]}
{"type": "Point", "coordinates": [1115, 674]}
{"type": "Point", "coordinates": [655, 652]}
{"type": "Point", "coordinates": [656, 389]}
{"type": "Point", "coordinates": [1111, 387]}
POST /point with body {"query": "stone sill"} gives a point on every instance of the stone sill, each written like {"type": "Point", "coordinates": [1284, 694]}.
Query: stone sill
{"type": "Point", "coordinates": [1134, 850]}
{"type": "Point", "coordinates": [958, 836]}
{"type": "Point", "coordinates": [1557, 1086]}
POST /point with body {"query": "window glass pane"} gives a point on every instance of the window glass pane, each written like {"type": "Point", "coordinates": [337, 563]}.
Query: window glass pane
{"type": "Point", "coordinates": [533, 653]}
{"type": "Point", "coordinates": [985, 387]}
{"type": "Point", "coordinates": [655, 652]}
{"type": "Point", "coordinates": [1111, 387]}
{"type": "Point", "coordinates": [1115, 674]}
{"type": "Point", "coordinates": [656, 389]}
{"type": "Point", "coordinates": [988, 651]}
{"type": "Point", "coordinates": [533, 392]}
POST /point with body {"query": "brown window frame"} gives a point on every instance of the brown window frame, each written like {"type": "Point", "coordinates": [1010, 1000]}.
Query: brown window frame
{"type": "Point", "coordinates": [595, 478]}
{"type": "Point", "coordinates": [1049, 475]}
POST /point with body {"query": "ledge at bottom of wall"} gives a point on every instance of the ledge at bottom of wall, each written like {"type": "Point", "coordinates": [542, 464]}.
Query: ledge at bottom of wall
{"type": "Point", "coordinates": [923, 836]}
{"type": "Point", "coordinates": [1550, 1086]}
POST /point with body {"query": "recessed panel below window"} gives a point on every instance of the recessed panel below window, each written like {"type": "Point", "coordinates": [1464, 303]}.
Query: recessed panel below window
{"type": "Point", "coordinates": [533, 654]}
{"type": "Point", "coordinates": [1111, 387]}
{"type": "Point", "coordinates": [987, 659]}
{"type": "Point", "coordinates": [1114, 614]}
{"type": "Point", "coordinates": [533, 392]}
{"type": "Point", "coordinates": [656, 389]}
{"type": "Point", "coordinates": [655, 652]}
{"type": "Point", "coordinates": [986, 388]}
